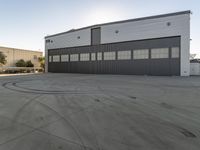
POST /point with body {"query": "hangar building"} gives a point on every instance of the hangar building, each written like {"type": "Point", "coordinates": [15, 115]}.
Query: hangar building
{"type": "Point", "coordinates": [155, 45]}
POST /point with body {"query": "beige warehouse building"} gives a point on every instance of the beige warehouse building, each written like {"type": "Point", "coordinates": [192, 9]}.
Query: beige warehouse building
{"type": "Point", "coordinates": [15, 54]}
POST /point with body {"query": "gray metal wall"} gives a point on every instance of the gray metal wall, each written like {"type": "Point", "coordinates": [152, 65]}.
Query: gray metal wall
{"type": "Point", "coordinates": [164, 66]}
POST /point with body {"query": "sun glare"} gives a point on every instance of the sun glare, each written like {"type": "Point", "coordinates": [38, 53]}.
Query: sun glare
{"type": "Point", "coordinates": [102, 15]}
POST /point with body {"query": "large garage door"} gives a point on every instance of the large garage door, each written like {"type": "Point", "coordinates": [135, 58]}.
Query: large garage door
{"type": "Point", "coordinates": [160, 57]}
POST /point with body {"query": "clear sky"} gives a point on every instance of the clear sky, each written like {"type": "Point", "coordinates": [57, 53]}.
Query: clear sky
{"type": "Point", "coordinates": [24, 23]}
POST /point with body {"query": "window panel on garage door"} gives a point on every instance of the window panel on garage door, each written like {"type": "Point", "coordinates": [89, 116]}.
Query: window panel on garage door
{"type": "Point", "coordinates": [109, 55]}
{"type": "Point", "coordinates": [74, 57]}
{"type": "Point", "coordinates": [85, 57]}
{"type": "Point", "coordinates": [56, 58]}
{"type": "Point", "coordinates": [159, 53]}
{"type": "Point", "coordinates": [64, 58]}
{"type": "Point", "coordinates": [99, 56]}
{"type": "Point", "coordinates": [141, 54]}
{"type": "Point", "coordinates": [124, 55]}
{"type": "Point", "coordinates": [93, 56]}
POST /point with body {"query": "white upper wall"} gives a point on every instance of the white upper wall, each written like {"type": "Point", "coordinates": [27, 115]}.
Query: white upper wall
{"type": "Point", "coordinates": [70, 39]}
{"type": "Point", "coordinates": [145, 29]}
{"type": "Point", "coordinates": [128, 31]}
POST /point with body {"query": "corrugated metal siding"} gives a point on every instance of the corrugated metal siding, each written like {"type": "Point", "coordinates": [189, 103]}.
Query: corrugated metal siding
{"type": "Point", "coordinates": [166, 66]}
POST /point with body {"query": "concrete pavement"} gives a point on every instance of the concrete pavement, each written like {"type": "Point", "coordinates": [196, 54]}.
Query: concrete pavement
{"type": "Point", "coordinates": [99, 112]}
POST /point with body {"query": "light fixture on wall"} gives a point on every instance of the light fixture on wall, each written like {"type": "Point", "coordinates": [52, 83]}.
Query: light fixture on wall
{"type": "Point", "coordinates": [48, 41]}
{"type": "Point", "coordinates": [116, 31]}
{"type": "Point", "coordinates": [168, 24]}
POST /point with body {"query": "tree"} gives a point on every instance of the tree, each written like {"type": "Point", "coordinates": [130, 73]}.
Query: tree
{"type": "Point", "coordinates": [29, 64]}
{"type": "Point", "coordinates": [21, 63]}
{"type": "Point", "coordinates": [42, 62]}
{"type": "Point", "coordinates": [2, 59]}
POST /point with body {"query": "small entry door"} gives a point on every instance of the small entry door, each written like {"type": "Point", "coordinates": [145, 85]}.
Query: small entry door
{"type": "Point", "coordinates": [96, 36]}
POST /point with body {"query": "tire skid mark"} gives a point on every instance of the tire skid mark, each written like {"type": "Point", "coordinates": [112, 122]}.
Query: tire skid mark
{"type": "Point", "coordinates": [31, 89]}
{"type": "Point", "coordinates": [139, 133]}
{"type": "Point", "coordinates": [184, 131]}
{"type": "Point", "coordinates": [18, 113]}
{"type": "Point", "coordinates": [119, 113]}
{"type": "Point", "coordinates": [88, 119]}
{"type": "Point", "coordinates": [77, 132]}
{"type": "Point", "coordinates": [180, 129]}
{"type": "Point", "coordinates": [69, 122]}
{"type": "Point", "coordinates": [46, 91]}
{"type": "Point", "coordinates": [12, 86]}
{"type": "Point", "coordinates": [44, 105]}
{"type": "Point", "coordinates": [144, 99]}
{"type": "Point", "coordinates": [39, 129]}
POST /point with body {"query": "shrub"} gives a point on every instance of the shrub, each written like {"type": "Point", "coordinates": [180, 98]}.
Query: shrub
{"type": "Point", "coordinates": [21, 63]}
{"type": "Point", "coordinates": [29, 64]}
{"type": "Point", "coordinates": [42, 62]}
{"type": "Point", "coordinates": [2, 59]}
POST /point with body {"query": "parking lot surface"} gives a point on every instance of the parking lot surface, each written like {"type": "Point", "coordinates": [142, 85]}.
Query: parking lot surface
{"type": "Point", "coordinates": [99, 112]}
